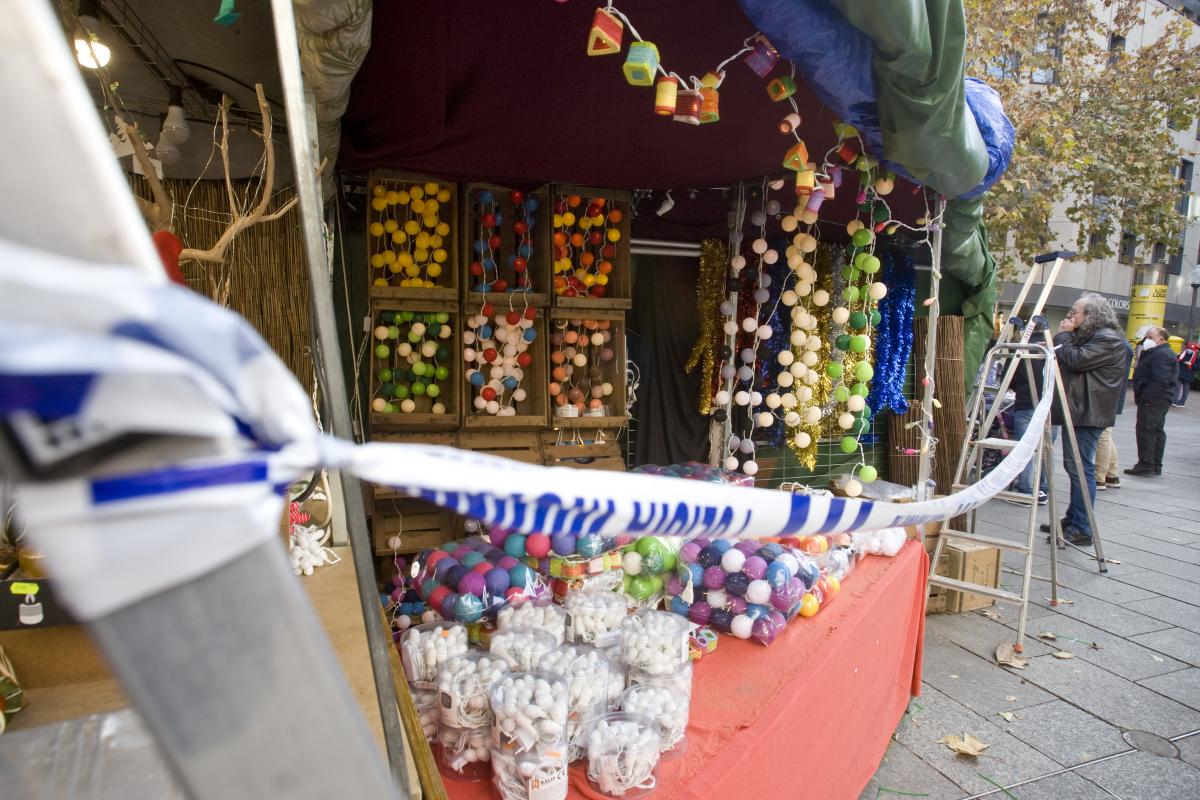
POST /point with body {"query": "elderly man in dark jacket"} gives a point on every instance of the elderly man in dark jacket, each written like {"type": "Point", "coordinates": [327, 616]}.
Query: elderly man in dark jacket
{"type": "Point", "coordinates": [1091, 354]}
{"type": "Point", "coordinates": [1154, 380]}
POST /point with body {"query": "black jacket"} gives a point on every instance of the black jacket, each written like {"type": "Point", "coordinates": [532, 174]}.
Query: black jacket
{"type": "Point", "coordinates": [1187, 364]}
{"type": "Point", "coordinates": [1155, 376]}
{"type": "Point", "coordinates": [1023, 399]}
{"type": "Point", "coordinates": [1093, 373]}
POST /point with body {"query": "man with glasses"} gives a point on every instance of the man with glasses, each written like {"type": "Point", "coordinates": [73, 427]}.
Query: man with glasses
{"type": "Point", "coordinates": [1091, 354]}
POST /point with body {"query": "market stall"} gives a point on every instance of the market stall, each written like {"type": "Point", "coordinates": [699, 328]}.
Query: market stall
{"type": "Point", "coordinates": [663, 630]}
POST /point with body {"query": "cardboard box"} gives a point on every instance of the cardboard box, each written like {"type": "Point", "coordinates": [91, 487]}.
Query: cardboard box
{"type": "Point", "coordinates": [973, 563]}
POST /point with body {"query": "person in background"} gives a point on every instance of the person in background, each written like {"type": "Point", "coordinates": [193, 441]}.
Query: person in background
{"type": "Point", "coordinates": [1187, 368]}
{"type": "Point", "coordinates": [1022, 412]}
{"type": "Point", "coordinates": [1092, 357]}
{"type": "Point", "coordinates": [1106, 449]}
{"type": "Point", "coordinates": [1154, 380]}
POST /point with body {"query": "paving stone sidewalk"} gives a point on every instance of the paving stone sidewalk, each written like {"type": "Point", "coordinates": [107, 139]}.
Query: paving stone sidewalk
{"type": "Point", "coordinates": [1058, 728]}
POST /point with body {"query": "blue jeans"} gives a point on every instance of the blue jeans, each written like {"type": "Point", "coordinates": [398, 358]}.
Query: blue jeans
{"type": "Point", "coordinates": [1088, 437]}
{"type": "Point", "coordinates": [1021, 419]}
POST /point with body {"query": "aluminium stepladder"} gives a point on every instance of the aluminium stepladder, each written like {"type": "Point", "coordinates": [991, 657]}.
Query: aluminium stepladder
{"type": "Point", "coordinates": [1016, 348]}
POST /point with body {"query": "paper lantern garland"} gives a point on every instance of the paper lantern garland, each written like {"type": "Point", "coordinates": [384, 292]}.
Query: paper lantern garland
{"type": "Point", "coordinates": [412, 352]}
{"type": "Point", "coordinates": [411, 234]}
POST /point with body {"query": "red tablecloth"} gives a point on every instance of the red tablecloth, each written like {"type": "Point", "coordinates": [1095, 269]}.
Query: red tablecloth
{"type": "Point", "coordinates": [809, 716]}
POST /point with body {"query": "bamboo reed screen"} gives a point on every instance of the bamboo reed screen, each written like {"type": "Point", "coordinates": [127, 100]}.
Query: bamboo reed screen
{"type": "Point", "coordinates": [949, 421]}
{"type": "Point", "coordinates": [263, 277]}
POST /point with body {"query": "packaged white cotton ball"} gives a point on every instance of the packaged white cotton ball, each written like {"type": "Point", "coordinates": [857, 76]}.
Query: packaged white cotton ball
{"type": "Point", "coordinates": [522, 647]}
{"type": "Point", "coordinates": [666, 706]}
{"type": "Point", "coordinates": [595, 617]}
{"type": "Point", "coordinates": [465, 753]}
{"type": "Point", "coordinates": [463, 686]}
{"type": "Point", "coordinates": [622, 749]}
{"type": "Point", "coordinates": [655, 642]}
{"type": "Point", "coordinates": [425, 647]}
{"type": "Point", "coordinates": [587, 673]}
{"type": "Point", "coordinates": [531, 711]}
{"type": "Point", "coordinates": [529, 613]}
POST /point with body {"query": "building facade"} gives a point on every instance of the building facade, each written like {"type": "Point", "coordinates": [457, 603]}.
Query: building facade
{"type": "Point", "coordinates": [1115, 277]}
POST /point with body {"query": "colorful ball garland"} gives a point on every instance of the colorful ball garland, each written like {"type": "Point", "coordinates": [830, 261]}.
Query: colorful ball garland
{"type": "Point", "coordinates": [496, 351]}
{"type": "Point", "coordinates": [581, 364]}
{"type": "Point", "coordinates": [485, 269]}
{"type": "Point", "coordinates": [411, 238]}
{"type": "Point", "coordinates": [413, 354]}
{"type": "Point", "coordinates": [585, 245]}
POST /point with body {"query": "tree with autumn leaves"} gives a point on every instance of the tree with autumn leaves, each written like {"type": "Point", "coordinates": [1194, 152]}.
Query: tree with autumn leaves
{"type": "Point", "coordinates": [1090, 88]}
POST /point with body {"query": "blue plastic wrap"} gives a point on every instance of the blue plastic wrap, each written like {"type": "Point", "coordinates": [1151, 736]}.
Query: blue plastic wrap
{"type": "Point", "coordinates": [997, 131]}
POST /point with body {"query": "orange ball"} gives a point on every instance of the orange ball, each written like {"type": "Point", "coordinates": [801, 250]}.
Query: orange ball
{"type": "Point", "coordinates": [615, 216]}
{"type": "Point", "coordinates": [605, 267]}
{"type": "Point", "coordinates": [555, 388]}
{"type": "Point", "coordinates": [560, 283]}
{"type": "Point", "coordinates": [605, 324]}
{"type": "Point", "coordinates": [560, 399]}
{"type": "Point", "coordinates": [573, 201]}
{"type": "Point", "coordinates": [559, 374]}
{"type": "Point", "coordinates": [587, 259]}
{"type": "Point", "coordinates": [598, 201]}
{"type": "Point", "coordinates": [577, 240]}
{"type": "Point", "coordinates": [557, 357]}
{"type": "Point", "coordinates": [560, 239]}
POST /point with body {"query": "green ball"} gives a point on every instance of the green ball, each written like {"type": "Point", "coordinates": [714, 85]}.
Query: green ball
{"type": "Point", "coordinates": [864, 371]}
{"type": "Point", "coordinates": [862, 237]}
{"type": "Point", "coordinates": [407, 316]}
{"type": "Point", "coordinates": [639, 587]}
{"type": "Point", "coordinates": [870, 265]}
{"type": "Point", "coordinates": [443, 353]}
{"type": "Point", "coordinates": [418, 368]}
{"type": "Point", "coordinates": [841, 394]}
{"type": "Point", "coordinates": [413, 338]}
{"type": "Point", "coordinates": [388, 389]}
{"type": "Point", "coordinates": [851, 294]}
{"type": "Point", "coordinates": [866, 413]}
{"type": "Point", "coordinates": [402, 391]}
{"type": "Point", "coordinates": [876, 317]}
{"type": "Point", "coordinates": [868, 474]}
{"type": "Point", "coordinates": [859, 389]}
{"type": "Point", "coordinates": [860, 258]}
{"type": "Point", "coordinates": [442, 317]}
{"type": "Point", "coordinates": [385, 376]}
{"type": "Point", "coordinates": [858, 344]}
{"type": "Point", "coordinates": [387, 317]}
{"type": "Point", "coordinates": [881, 213]}
{"type": "Point", "coordinates": [441, 373]}
{"type": "Point", "coordinates": [382, 351]}
{"type": "Point", "coordinates": [654, 553]}
{"type": "Point", "coordinates": [418, 389]}
{"type": "Point", "coordinates": [833, 369]}
{"type": "Point", "coordinates": [842, 342]}
{"type": "Point", "coordinates": [858, 321]}
{"type": "Point", "coordinates": [393, 332]}
{"type": "Point", "coordinates": [861, 426]}
{"type": "Point", "coordinates": [388, 408]}
{"type": "Point", "coordinates": [434, 390]}
{"type": "Point", "coordinates": [849, 444]}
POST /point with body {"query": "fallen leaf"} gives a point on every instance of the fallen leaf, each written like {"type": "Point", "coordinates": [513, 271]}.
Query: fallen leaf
{"type": "Point", "coordinates": [1156, 658]}
{"type": "Point", "coordinates": [990, 613]}
{"type": "Point", "coordinates": [965, 745]}
{"type": "Point", "coordinates": [1062, 601]}
{"type": "Point", "coordinates": [953, 676]}
{"type": "Point", "coordinates": [1047, 635]}
{"type": "Point", "coordinates": [1012, 698]}
{"type": "Point", "coordinates": [1093, 645]}
{"type": "Point", "coordinates": [1007, 655]}
{"type": "Point", "coordinates": [1064, 655]}
{"type": "Point", "coordinates": [1007, 716]}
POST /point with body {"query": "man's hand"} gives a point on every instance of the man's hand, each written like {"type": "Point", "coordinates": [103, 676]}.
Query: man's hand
{"type": "Point", "coordinates": [1067, 325]}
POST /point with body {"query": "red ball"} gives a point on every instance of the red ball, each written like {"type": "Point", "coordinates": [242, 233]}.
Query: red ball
{"type": "Point", "coordinates": [488, 393]}
{"type": "Point", "coordinates": [488, 220]}
{"type": "Point", "coordinates": [512, 317]}
{"type": "Point", "coordinates": [520, 227]}
{"type": "Point", "coordinates": [495, 242]}
{"type": "Point", "coordinates": [599, 291]}
{"type": "Point", "coordinates": [487, 310]}
{"type": "Point", "coordinates": [560, 252]}
{"type": "Point", "coordinates": [531, 313]}
{"type": "Point", "coordinates": [476, 268]}
{"type": "Point", "coordinates": [524, 360]}
{"type": "Point", "coordinates": [489, 355]}
{"type": "Point", "coordinates": [595, 237]}
{"type": "Point", "coordinates": [433, 558]}
{"type": "Point", "coordinates": [482, 567]}
{"type": "Point", "coordinates": [514, 593]}
{"type": "Point", "coordinates": [560, 205]}
{"type": "Point", "coordinates": [437, 596]}
{"type": "Point", "coordinates": [608, 251]}
{"type": "Point", "coordinates": [516, 197]}
{"type": "Point", "coordinates": [537, 545]}
{"type": "Point", "coordinates": [499, 285]}
{"type": "Point", "coordinates": [593, 210]}
{"type": "Point", "coordinates": [519, 264]}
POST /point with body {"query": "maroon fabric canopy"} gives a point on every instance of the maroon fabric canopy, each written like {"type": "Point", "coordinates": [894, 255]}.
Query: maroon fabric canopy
{"type": "Point", "coordinates": [505, 92]}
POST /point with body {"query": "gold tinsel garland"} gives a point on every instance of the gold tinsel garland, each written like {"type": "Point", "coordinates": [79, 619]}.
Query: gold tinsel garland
{"type": "Point", "coordinates": [710, 291]}
{"type": "Point", "coordinates": [807, 455]}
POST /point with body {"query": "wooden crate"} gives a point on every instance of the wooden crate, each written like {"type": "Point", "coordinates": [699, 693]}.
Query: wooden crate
{"type": "Point", "coordinates": [517, 445]}
{"type": "Point", "coordinates": [384, 283]}
{"type": "Point", "coordinates": [537, 268]}
{"type": "Point", "coordinates": [619, 291]}
{"type": "Point", "coordinates": [423, 417]}
{"type": "Point", "coordinates": [614, 371]}
{"type": "Point", "coordinates": [420, 525]}
{"type": "Point", "coordinates": [533, 411]}
{"type": "Point", "coordinates": [582, 452]}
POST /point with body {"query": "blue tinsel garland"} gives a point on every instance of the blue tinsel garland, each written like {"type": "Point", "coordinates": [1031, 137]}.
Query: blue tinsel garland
{"type": "Point", "coordinates": [894, 334]}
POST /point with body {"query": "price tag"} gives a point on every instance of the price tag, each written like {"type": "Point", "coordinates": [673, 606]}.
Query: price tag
{"type": "Point", "coordinates": [551, 784]}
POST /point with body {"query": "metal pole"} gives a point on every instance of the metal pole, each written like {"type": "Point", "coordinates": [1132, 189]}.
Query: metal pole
{"type": "Point", "coordinates": [303, 138]}
{"type": "Point", "coordinates": [925, 460]}
{"type": "Point", "coordinates": [1191, 309]}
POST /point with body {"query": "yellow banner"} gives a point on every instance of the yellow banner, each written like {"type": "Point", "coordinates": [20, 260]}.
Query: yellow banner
{"type": "Point", "coordinates": [1147, 307]}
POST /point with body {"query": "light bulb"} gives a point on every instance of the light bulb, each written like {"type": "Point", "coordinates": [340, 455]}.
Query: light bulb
{"type": "Point", "coordinates": [166, 151]}
{"type": "Point", "coordinates": [91, 54]}
{"type": "Point", "coordinates": [175, 126]}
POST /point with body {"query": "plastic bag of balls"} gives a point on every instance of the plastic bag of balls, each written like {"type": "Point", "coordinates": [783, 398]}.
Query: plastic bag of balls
{"type": "Point", "coordinates": [402, 603]}
{"type": "Point", "coordinates": [749, 589]}
{"type": "Point", "coordinates": [647, 563]}
{"type": "Point", "coordinates": [696, 471]}
{"type": "Point", "coordinates": [539, 546]}
{"type": "Point", "coordinates": [469, 579]}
